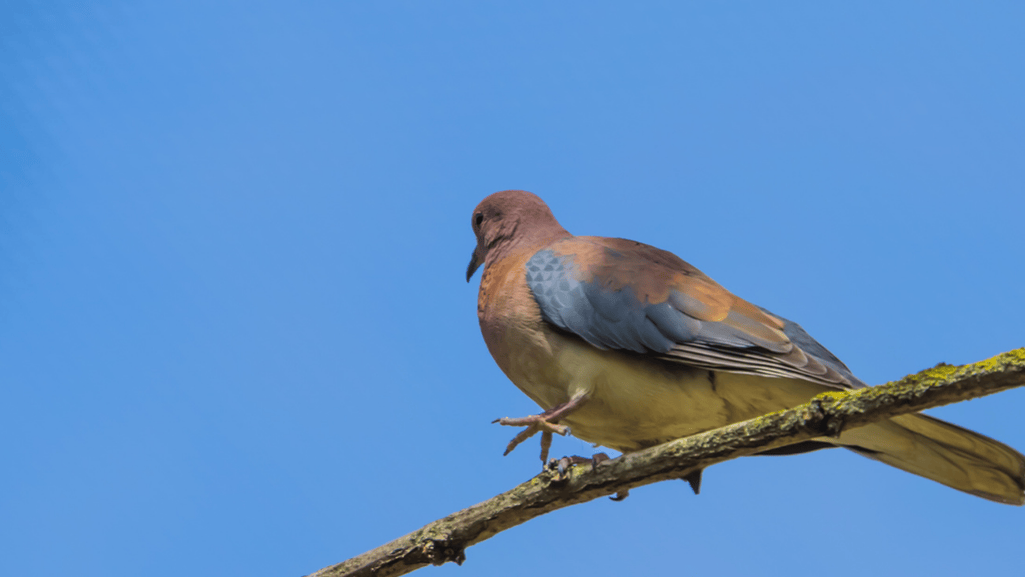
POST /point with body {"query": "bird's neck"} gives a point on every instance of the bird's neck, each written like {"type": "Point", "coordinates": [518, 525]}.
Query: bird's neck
{"type": "Point", "coordinates": [524, 244]}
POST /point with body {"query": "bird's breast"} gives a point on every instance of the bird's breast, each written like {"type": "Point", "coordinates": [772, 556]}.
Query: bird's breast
{"type": "Point", "coordinates": [514, 332]}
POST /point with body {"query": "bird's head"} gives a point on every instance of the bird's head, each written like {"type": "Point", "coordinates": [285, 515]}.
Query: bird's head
{"type": "Point", "coordinates": [507, 219]}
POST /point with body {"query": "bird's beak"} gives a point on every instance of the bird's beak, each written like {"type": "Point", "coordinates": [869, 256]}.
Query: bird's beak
{"type": "Point", "coordinates": [475, 262]}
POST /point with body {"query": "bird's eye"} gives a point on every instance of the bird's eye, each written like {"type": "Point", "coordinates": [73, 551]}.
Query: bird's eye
{"type": "Point", "coordinates": [478, 219]}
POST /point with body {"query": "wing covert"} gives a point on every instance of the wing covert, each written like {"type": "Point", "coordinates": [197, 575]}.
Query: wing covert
{"type": "Point", "coordinates": [619, 294]}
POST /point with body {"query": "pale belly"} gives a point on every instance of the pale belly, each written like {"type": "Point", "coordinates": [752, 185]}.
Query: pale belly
{"type": "Point", "coordinates": [634, 402]}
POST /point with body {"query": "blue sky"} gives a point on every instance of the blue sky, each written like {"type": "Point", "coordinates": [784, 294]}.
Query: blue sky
{"type": "Point", "coordinates": [235, 336]}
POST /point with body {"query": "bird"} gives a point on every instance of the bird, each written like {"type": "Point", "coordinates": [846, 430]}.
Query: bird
{"type": "Point", "coordinates": [628, 346]}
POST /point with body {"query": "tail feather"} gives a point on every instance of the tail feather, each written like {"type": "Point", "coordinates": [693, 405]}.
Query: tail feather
{"type": "Point", "coordinates": [945, 453]}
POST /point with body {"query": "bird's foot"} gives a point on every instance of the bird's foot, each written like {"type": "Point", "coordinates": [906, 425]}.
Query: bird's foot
{"type": "Point", "coordinates": [598, 459]}
{"type": "Point", "coordinates": [566, 462]}
{"type": "Point", "coordinates": [535, 424]}
{"type": "Point", "coordinates": [562, 466]}
{"type": "Point", "coordinates": [545, 423]}
{"type": "Point", "coordinates": [538, 423]}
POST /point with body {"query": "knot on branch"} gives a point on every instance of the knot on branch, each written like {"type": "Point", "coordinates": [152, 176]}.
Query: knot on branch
{"type": "Point", "coordinates": [822, 414]}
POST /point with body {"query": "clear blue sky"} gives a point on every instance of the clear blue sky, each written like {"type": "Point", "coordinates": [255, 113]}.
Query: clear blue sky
{"type": "Point", "coordinates": [235, 335]}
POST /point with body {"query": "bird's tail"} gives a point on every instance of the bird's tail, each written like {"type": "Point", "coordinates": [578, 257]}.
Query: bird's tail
{"type": "Point", "coordinates": [945, 453]}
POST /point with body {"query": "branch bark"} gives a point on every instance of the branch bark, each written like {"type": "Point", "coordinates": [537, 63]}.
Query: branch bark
{"type": "Point", "coordinates": [825, 415]}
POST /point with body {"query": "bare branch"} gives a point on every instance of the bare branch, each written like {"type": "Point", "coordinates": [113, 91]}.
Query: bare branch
{"type": "Point", "coordinates": [825, 415]}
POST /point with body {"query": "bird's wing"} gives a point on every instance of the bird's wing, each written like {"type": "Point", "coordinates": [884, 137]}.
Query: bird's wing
{"type": "Point", "coordinates": [620, 294]}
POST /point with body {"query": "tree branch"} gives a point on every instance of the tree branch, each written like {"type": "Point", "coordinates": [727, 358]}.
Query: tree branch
{"type": "Point", "coordinates": [825, 415]}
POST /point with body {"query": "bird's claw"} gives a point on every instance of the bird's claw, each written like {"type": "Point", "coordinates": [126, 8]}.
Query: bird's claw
{"type": "Point", "coordinates": [544, 423]}
{"type": "Point", "coordinates": [534, 424]}
{"type": "Point", "coordinates": [561, 467]}
{"type": "Point", "coordinates": [598, 459]}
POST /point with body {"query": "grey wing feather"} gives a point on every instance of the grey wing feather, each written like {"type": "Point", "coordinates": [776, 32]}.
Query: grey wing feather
{"type": "Point", "coordinates": [619, 320]}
